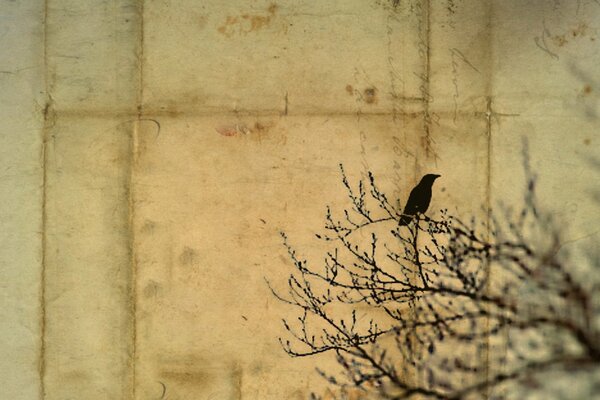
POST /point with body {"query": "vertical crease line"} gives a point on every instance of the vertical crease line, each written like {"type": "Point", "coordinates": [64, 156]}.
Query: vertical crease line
{"type": "Point", "coordinates": [426, 92]}
{"type": "Point", "coordinates": [428, 70]}
{"type": "Point", "coordinates": [43, 222]}
{"type": "Point", "coordinates": [131, 244]}
{"type": "Point", "coordinates": [424, 51]}
{"type": "Point", "coordinates": [133, 148]}
{"type": "Point", "coordinates": [490, 115]}
{"type": "Point", "coordinates": [488, 221]}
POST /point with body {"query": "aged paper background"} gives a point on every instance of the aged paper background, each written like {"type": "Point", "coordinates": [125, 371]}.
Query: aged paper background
{"type": "Point", "coordinates": [153, 150]}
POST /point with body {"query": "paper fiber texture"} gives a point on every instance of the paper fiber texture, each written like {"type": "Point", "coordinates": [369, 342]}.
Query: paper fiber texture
{"type": "Point", "coordinates": [153, 151]}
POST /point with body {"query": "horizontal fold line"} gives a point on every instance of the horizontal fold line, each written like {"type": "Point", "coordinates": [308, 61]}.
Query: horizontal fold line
{"type": "Point", "coordinates": [134, 115]}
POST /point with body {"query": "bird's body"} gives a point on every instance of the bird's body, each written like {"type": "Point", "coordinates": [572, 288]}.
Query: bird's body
{"type": "Point", "coordinates": [419, 199]}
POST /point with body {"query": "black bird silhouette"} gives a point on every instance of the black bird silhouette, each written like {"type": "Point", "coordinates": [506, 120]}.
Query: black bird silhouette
{"type": "Point", "coordinates": [419, 199]}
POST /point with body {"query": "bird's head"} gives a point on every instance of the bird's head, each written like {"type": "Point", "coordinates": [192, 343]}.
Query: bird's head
{"type": "Point", "coordinates": [429, 179]}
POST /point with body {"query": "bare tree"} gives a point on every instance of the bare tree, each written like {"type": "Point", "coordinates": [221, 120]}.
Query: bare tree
{"type": "Point", "coordinates": [442, 308]}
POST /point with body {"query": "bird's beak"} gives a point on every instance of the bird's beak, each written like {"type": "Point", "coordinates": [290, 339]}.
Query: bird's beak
{"type": "Point", "coordinates": [436, 176]}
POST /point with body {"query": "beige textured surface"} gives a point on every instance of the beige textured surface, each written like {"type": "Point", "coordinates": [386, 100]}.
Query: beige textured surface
{"type": "Point", "coordinates": [153, 150]}
{"type": "Point", "coordinates": [21, 177]}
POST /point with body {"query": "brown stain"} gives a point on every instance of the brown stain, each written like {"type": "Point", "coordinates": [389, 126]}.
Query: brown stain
{"type": "Point", "coordinates": [148, 226]}
{"type": "Point", "coordinates": [349, 89]}
{"type": "Point", "coordinates": [236, 375]}
{"type": "Point", "coordinates": [284, 260]}
{"type": "Point", "coordinates": [370, 95]}
{"type": "Point", "coordinates": [579, 31]}
{"type": "Point", "coordinates": [247, 23]}
{"type": "Point", "coordinates": [260, 127]}
{"type": "Point", "coordinates": [272, 8]}
{"type": "Point", "coordinates": [201, 21]}
{"type": "Point", "coordinates": [587, 89]}
{"type": "Point", "coordinates": [190, 377]}
{"type": "Point", "coordinates": [426, 143]}
{"type": "Point", "coordinates": [226, 29]}
{"type": "Point", "coordinates": [196, 373]}
{"type": "Point", "coordinates": [258, 368]}
{"type": "Point", "coordinates": [559, 40]}
{"type": "Point", "coordinates": [152, 289]}
{"type": "Point", "coordinates": [257, 22]}
{"type": "Point", "coordinates": [587, 141]}
{"type": "Point", "coordinates": [188, 257]}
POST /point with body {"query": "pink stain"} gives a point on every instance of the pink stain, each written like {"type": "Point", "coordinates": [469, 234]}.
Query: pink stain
{"type": "Point", "coordinates": [229, 130]}
{"type": "Point", "coordinates": [233, 130]}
